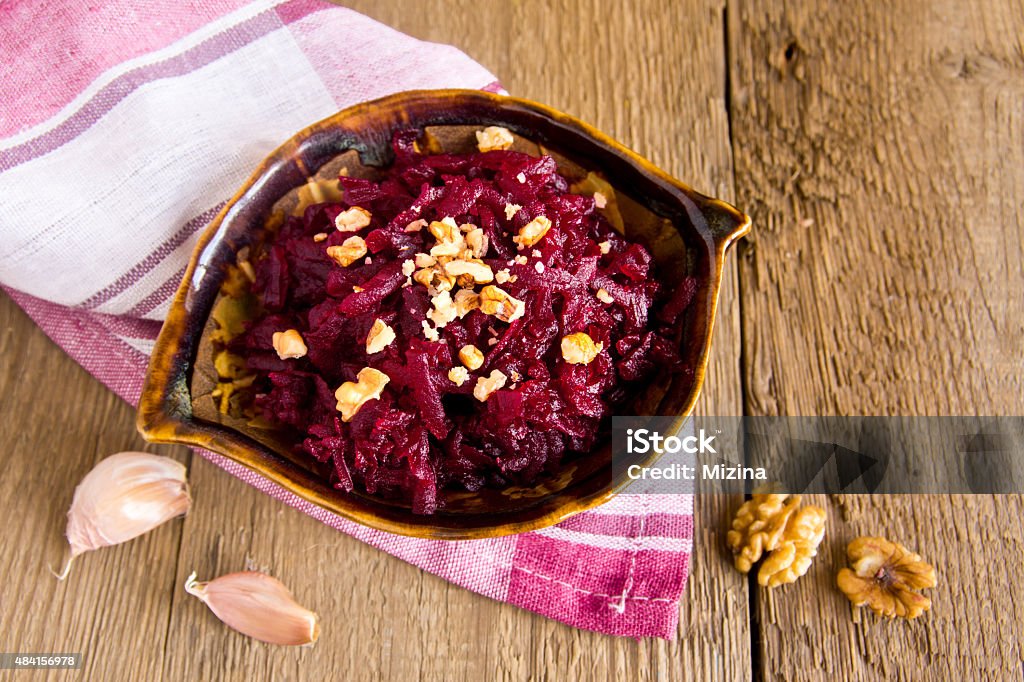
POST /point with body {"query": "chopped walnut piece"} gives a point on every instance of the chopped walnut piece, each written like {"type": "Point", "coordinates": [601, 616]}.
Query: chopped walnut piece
{"type": "Point", "coordinates": [478, 271]}
{"type": "Point", "coordinates": [502, 276]}
{"type": "Point", "coordinates": [604, 297]}
{"type": "Point", "coordinates": [443, 283]}
{"type": "Point", "coordinates": [465, 301]}
{"type": "Point", "coordinates": [350, 250]}
{"type": "Point", "coordinates": [416, 225]}
{"type": "Point", "coordinates": [511, 210]}
{"type": "Point", "coordinates": [485, 386]}
{"type": "Point", "coordinates": [539, 267]}
{"type": "Point", "coordinates": [580, 349]}
{"type": "Point", "coordinates": [352, 220]}
{"type": "Point", "coordinates": [533, 231]}
{"type": "Point", "coordinates": [424, 260]}
{"type": "Point", "coordinates": [444, 310]}
{"type": "Point", "coordinates": [445, 230]}
{"type": "Point", "coordinates": [600, 200]}
{"type": "Point", "coordinates": [380, 337]}
{"type": "Point", "coordinates": [497, 302]}
{"type": "Point", "coordinates": [450, 240]}
{"type": "Point", "coordinates": [522, 260]}
{"type": "Point", "coordinates": [770, 523]}
{"type": "Point", "coordinates": [493, 138]}
{"type": "Point", "coordinates": [605, 247]}
{"type": "Point", "coordinates": [408, 267]}
{"type": "Point", "coordinates": [458, 375]}
{"type": "Point", "coordinates": [289, 344]}
{"type": "Point", "coordinates": [429, 332]}
{"type": "Point", "coordinates": [521, 177]}
{"type": "Point", "coordinates": [886, 577]}
{"type": "Point", "coordinates": [435, 279]}
{"type": "Point", "coordinates": [320, 236]}
{"type": "Point", "coordinates": [477, 242]}
{"type": "Point", "coordinates": [471, 357]}
{"type": "Point", "coordinates": [351, 396]}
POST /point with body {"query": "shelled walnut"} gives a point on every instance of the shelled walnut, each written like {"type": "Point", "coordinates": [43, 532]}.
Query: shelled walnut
{"type": "Point", "coordinates": [886, 576]}
{"type": "Point", "coordinates": [771, 524]}
{"type": "Point", "coordinates": [798, 547]}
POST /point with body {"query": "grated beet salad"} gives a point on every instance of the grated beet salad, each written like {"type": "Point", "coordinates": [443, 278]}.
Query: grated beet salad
{"type": "Point", "coordinates": [463, 322]}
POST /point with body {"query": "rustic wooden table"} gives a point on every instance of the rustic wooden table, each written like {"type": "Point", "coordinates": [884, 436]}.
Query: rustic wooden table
{"type": "Point", "coordinates": [879, 148]}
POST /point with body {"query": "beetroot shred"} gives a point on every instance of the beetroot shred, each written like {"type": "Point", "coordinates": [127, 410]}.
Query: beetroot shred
{"type": "Point", "coordinates": [427, 430]}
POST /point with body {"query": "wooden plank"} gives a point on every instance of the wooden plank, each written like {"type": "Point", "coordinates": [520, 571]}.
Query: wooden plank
{"type": "Point", "coordinates": [56, 422]}
{"type": "Point", "coordinates": [880, 150]}
{"type": "Point", "coordinates": [384, 617]}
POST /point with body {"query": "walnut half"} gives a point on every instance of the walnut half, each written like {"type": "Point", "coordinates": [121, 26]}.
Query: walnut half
{"type": "Point", "coordinates": [798, 547]}
{"type": "Point", "coordinates": [771, 524]}
{"type": "Point", "coordinates": [886, 577]}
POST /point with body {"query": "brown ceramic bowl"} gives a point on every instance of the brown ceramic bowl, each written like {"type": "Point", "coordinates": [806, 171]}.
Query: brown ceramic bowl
{"type": "Point", "coordinates": [687, 232]}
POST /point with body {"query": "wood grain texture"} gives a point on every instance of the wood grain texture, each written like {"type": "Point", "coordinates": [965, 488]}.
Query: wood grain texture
{"type": "Point", "coordinates": [880, 150]}
{"type": "Point", "coordinates": [56, 423]}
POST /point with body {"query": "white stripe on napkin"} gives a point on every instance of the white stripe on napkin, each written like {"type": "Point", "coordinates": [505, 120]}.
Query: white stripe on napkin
{"type": "Point", "coordinates": [618, 542]}
{"type": "Point", "coordinates": [211, 125]}
{"type": "Point", "coordinates": [176, 48]}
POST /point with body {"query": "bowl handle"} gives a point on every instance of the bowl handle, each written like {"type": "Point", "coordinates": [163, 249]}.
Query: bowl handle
{"type": "Point", "coordinates": [725, 222]}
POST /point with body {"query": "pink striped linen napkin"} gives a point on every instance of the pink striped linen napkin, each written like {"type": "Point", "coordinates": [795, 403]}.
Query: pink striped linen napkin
{"type": "Point", "coordinates": [124, 127]}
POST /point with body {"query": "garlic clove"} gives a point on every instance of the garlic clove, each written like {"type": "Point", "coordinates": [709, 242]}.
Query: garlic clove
{"type": "Point", "coordinates": [124, 496]}
{"type": "Point", "coordinates": [259, 606]}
